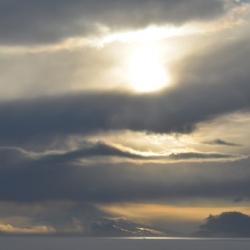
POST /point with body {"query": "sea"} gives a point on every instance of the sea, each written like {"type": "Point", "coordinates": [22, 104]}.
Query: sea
{"type": "Point", "coordinates": [80, 243]}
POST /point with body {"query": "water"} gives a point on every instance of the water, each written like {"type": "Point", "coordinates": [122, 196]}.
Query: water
{"type": "Point", "coordinates": [75, 243]}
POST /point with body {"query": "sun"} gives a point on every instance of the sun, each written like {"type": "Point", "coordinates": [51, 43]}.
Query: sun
{"type": "Point", "coordinates": [146, 70]}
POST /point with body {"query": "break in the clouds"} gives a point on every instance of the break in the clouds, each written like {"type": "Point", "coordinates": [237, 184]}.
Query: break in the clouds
{"type": "Point", "coordinates": [46, 21]}
{"type": "Point", "coordinates": [124, 117]}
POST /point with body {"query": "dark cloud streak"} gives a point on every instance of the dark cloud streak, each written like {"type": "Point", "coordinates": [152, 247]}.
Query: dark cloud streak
{"type": "Point", "coordinates": [36, 21]}
{"type": "Point", "coordinates": [220, 142]}
{"type": "Point", "coordinates": [86, 114]}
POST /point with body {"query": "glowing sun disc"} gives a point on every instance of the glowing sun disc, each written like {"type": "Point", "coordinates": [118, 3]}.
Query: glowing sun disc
{"type": "Point", "coordinates": [147, 72]}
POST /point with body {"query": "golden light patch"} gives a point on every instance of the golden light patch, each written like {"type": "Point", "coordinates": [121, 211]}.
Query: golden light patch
{"type": "Point", "coordinates": [150, 212]}
{"type": "Point", "coordinates": [8, 228]}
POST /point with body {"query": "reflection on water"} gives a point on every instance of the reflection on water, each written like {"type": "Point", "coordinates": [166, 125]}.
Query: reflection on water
{"type": "Point", "coordinates": [174, 238]}
{"type": "Point", "coordinates": [134, 243]}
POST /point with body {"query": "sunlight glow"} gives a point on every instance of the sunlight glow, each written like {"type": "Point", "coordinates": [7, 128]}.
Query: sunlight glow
{"type": "Point", "coordinates": [151, 33]}
{"type": "Point", "coordinates": [146, 71]}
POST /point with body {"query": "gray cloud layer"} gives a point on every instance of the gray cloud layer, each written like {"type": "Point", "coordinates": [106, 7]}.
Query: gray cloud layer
{"type": "Point", "coordinates": [51, 179]}
{"type": "Point", "coordinates": [36, 21]}
{"type": "Point", "coordinates": [84, 114]}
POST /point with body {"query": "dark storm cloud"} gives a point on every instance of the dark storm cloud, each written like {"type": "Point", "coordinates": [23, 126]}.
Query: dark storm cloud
{"type": "Point", "coordinates": [37, 179]}
{"type": "Point", "coordinates": [33, 21]}
{"type": "Point", "coordinates": [229, 224]}
{"type": "Point", "coordinates": [220, 142]}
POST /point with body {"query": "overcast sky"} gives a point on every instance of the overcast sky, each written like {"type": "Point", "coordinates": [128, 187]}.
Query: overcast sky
{"type": "Point", "coordinates": [125, 117]}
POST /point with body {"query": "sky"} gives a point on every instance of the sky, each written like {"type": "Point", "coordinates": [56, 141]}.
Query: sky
{"type": "Point", "coordinates": [125, 118]}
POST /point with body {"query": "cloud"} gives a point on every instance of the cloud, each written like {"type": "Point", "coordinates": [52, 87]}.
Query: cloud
{"type": "Point", "coordinates": [200, 155]}
{"type": "Point", "coordinates": [220, 142]}
{"type": "Point", "coordinates": [36, 120]}
{"type": "Point", "coordinates": [62, 191]}
{"type": "Point", "coordinates": [229, 224]}
{"type": "Point", "coordinates": [105, 150]}
{"type": "Point", "coordinates": [62, 177]}
{"type": "Point", "coordinates": [12, 157]}
{"type": "Point", "coordinates": [91, 150]}
{"type": "Point", "coordinates": [58, 217]}
{"type": "Point", "coordinates": [10, 229]}
{"type": "Point", "coordinates": [210, 86]}
{"type": "Point", "coordinates": [66, 218]}
{"type": "Point", "coordinates": [46, 22]}
{"type": "Point", "coordinates": [56, 191]}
